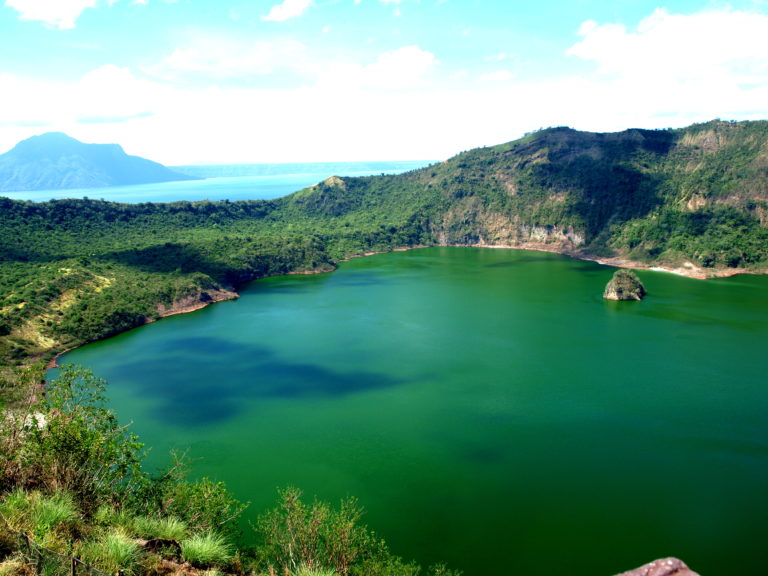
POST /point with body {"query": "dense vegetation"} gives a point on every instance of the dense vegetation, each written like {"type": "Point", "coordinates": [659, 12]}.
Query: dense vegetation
{"type": "Point", "coordinates": [71, 479]}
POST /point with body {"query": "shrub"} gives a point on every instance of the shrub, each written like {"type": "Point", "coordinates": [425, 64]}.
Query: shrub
{"type": "Point", "coordinates": [204, 504]}
{"type": "Point", "coordinates": [316, 537]}
{"type": "Point", "coordinates": [80, 448]}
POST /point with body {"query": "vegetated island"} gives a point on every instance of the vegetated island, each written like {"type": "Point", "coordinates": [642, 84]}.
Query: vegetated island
{"type": "Point", "coordinates": [624, 285]}
{"type": "Point", "coordinates": [692, 200]}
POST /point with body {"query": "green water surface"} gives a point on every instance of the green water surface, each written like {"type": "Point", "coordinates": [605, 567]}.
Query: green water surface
{"type": "Point", "coordinates": [487, 407]}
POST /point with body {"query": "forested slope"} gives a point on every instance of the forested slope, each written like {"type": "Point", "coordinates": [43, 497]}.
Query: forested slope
{"type": "Point", "coordinates": [660, 197]}
{"type": "Point", "coordinates": [76, 270]}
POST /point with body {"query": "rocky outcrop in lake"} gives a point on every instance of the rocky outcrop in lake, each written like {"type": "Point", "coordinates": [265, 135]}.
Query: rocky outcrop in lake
{"type": "Point", "coordinates": [625, 285]}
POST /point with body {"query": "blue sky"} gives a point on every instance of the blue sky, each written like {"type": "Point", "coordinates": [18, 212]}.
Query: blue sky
{"type": "Point", "coordinates": [218, 81]}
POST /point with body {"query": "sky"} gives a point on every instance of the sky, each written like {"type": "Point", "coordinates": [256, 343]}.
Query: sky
{"type": "Point", "coordinates": [237, 81]}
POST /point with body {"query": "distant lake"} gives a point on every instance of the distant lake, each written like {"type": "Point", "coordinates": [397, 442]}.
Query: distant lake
{"type": "Point", "coordinates": [488, 408]}
{"type": "Point", "coordinates": [227, 182]}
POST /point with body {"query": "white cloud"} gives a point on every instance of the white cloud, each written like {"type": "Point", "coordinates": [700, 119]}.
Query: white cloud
{"type": "Point", "coordinates": [401, 68]}
{"type": "Point", "coordinates": [215, 58]}
{"type": "Point", "coordinates": [676, 67]}
{"type": "Point", "coordinates": [498, 76]}
{"type": "Point", "coordinates": [287, 10]}
{"type": "Point", "coordinates": [285, 62]}
{"type": "Point", "coordinates": [705, 45]}
{"type": "Point", "coordinates": [61, 14]}
{"type": "Point", "coordinates": [500, 57]}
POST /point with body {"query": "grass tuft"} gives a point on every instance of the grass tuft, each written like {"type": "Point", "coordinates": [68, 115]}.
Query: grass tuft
{"type": "Point", "coordinates": [46, 519]}
{"type": "Point", "coordinates": [169, 527]}
{"type": "Point", "coordinates": [303, 570]}
{"type": "Point", "coordinates": [206, 550]}
{"type": "Point", "coordinates": [114, 551]}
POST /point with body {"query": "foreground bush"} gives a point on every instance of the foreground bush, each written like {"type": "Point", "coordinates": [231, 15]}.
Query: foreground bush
{"type": "Point", "coordinates": [301, 539]}
{"type": "Point", "coordinates": [69, 441]}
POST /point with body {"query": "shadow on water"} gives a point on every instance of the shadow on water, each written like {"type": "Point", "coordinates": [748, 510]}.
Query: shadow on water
{"type": "Point", "coordinates": [299, 284]}
{"type": "Point", "coordinates": [519, 261]}
{"type": "Point", "coordinates": [188, 400]}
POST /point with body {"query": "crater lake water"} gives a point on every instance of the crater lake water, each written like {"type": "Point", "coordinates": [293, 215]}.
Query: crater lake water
{"type": "Point", "coordinates": [487, 407]}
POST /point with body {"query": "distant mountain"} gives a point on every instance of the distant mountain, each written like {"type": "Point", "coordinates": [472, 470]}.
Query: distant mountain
{"type": "Point", "coordinates": [56, 161]}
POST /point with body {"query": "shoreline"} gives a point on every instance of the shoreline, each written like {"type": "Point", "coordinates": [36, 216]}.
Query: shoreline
{"type": "Point", "coordinates": [687, 269]}
{"type": "Point", "coordinates": [183, 306]}
{"type": "Point", "coordinates": [192, 304]}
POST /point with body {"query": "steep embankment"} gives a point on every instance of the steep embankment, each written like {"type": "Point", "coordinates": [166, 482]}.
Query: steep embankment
{"type": "Point", "coordinates": [694, 199]}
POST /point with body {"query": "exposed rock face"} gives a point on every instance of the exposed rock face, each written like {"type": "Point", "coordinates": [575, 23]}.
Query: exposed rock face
{"type": "Point", "coordinates": [195, 301]}
{"type": "Point", "coordinates": [625, 285]}
{"type": "Point", "coordinates": [664, 567]}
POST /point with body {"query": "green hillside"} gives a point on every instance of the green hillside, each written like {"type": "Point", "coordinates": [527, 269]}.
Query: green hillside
{"type": "Point", "coordinates": [72, 271]}
{"type": "Point", "coordinates": [696, 195]}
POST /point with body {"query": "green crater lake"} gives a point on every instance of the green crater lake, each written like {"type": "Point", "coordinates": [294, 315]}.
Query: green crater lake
{"type": "Point", "coordinates": [487, 407]}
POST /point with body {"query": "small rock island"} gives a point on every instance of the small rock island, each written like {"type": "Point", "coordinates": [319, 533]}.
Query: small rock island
{"type": "Point", "coordinates": [625, 285]}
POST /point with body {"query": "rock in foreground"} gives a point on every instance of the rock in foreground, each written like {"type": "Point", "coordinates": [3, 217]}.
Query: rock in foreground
{"type": "Point", "coordinates": [625, 285]}
{"type": "Point", "coordinates": [664, 567]}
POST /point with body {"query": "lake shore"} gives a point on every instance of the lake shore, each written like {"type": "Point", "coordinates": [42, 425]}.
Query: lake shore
{"type": "Point", "coordinates": [183, 306]}
{"type": "Point", "coordinates": [687, 269]}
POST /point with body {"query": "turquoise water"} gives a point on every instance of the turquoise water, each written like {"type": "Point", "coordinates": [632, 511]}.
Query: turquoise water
{"type": "Point", "coordinates": [227, 182]}
{"type": "Point", "coordinates": [487, 407]}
